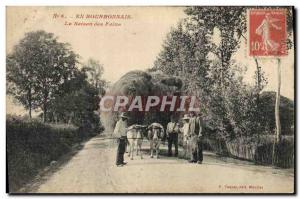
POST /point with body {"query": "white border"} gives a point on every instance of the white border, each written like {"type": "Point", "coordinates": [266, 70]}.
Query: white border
{"type": "Point", "coordinates": [4, 3]}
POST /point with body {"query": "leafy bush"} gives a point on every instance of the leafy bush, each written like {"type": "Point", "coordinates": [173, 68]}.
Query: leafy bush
{"type": "Point", "coordinates": [32, 145]}
{"type": "Point", "coordinates": [266, 106]}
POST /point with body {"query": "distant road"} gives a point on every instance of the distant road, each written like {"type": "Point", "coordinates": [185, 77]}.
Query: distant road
{"type": "Point", "coordinates": [93, 170]}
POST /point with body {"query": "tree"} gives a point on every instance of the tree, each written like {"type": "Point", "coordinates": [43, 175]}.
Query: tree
{"type": "Point", "coordinates": [20, 77]}
{"type": "Point", "coordinates": [62, 106]}
{"type": "Point", "coordinates": [208, 69]}
{"type": "Point", "coordinates": [278, 133]}
{"type": "Point", "coordinates": [229, 22]}
{"type": "Point", "coordinates": [173, 58]}
{"type": "Point", "coordinates": [44, 63]}
{"type": "Point", "coordinates": [94, 71]}
{"type": "Point", "coordinates": [184, 54]}
{"type": "Point", "coordinates": [75, 102]}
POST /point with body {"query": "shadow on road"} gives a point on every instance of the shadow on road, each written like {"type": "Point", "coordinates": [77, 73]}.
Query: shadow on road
{"type": "Point", "coordinates": [55, 166]}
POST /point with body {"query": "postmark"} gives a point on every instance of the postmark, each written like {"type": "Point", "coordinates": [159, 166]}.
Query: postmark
{"type": "Point", "coordinates": [267, 33]}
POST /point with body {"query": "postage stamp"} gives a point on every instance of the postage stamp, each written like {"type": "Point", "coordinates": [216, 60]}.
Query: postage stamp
{"type": "Point", "coordinates": [267, 32]}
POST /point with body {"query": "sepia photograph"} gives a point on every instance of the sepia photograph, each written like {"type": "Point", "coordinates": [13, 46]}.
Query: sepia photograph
{"type": "Point", "coordinates": [150, 100]}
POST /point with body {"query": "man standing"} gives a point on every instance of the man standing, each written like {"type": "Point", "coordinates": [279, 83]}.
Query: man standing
{"type": "Point", "coordinates": [196, 138]}
{"type": "Point", "coordinates": [120, 133]}
{"type": "Point", "coordinates": [172, 134]}
{"type": "Point", "coordinates": [186, 135]}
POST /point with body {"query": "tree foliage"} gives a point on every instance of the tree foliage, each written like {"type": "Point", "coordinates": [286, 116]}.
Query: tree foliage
{"type": "Point", "coordinates": [43, 74]}
{"type": "Point", "coordinates": [37, 66]}
{"type": "Point", "coordinates": [209, 71]}
{"type": "Point", "coordinates": [94, 71]}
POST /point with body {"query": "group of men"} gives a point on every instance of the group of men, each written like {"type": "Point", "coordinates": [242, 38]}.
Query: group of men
{"type": "Point", "coordinates": [191, 131]}
{"type": "Point", "coordinates": [192, 137]}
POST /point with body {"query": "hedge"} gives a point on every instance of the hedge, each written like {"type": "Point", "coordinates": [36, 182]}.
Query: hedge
{"type": "Point", "coordinates": [33, 145]}
{"type": "Point", "coordinates": [258, 150]}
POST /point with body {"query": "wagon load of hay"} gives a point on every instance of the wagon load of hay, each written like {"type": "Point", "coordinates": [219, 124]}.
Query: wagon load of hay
{"type": "Point", "coordinates": [140, 83]}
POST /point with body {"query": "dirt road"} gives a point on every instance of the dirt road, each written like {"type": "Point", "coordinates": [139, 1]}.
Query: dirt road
{"type": "Point", "coordinates": [92, 170]}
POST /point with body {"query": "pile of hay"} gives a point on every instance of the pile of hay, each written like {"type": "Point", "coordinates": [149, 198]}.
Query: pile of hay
{"type": "Point", "coordinates": [140, 83]}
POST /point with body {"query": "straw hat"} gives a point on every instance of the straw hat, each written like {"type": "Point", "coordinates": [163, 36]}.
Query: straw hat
{"type": "Point", "coordinates": [124, 115]}
{"type": "Point", "coordinates": [186, 117]}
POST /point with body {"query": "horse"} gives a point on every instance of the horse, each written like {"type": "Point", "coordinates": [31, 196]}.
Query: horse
{"type": "Point", "coordinates": [155, 135]}
{"type": "Point", "coordinates": [135, 138]}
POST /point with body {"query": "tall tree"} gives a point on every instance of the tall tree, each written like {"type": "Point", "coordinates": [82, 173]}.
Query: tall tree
{"type": "Point", "coordinates": [20, 79]}
{"type": "Point", "coordinates": [94, 71]}
{"type": "Point", "coordinates": [209, 70]}
{"type": "Point", "coordinates": [45, 63]}
{"type": "Point", "coordinates": [76, 102]}
{"type": "Point", "coordinates": [230, 21]}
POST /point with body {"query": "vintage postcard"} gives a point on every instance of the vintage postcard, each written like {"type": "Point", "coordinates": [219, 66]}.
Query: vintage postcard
{"type": "Point", "coordinates": [150, 99]}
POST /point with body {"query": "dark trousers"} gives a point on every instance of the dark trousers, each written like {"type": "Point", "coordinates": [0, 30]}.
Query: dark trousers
{"type": "Point", "coordinates": [121, 150]}
{"type": "Point", "coordinates": [197, 152]}
{"type": "Point", "coordinates": [173, 139]}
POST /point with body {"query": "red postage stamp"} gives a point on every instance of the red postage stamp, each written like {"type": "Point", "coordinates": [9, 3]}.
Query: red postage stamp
{"type": "Point", "coordinates": [267, 32]}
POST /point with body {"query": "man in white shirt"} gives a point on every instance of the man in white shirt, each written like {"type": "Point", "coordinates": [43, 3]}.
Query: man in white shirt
{"type": "Point", "coordinates": [120, 133]}
{"type": "Point", "coordinates": [172, 135]}
{"type": "Point", "coordinates": [186, 135]}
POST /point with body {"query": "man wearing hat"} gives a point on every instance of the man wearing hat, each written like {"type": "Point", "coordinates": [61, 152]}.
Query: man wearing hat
{"type": "Point", "coordinates": [186, 135]}
{"type": "Point", "coordinates": [196, 138]}
{"type": "Point", "coordinates": [120, 133]}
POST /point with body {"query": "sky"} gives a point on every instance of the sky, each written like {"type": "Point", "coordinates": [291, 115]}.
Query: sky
{"type": "Point", "coordinates": [132, 45]}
